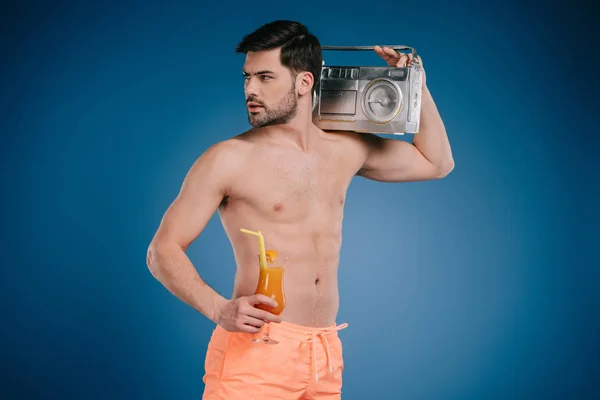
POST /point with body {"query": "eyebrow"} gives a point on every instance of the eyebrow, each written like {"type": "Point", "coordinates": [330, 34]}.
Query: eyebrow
{"type": "Point", "coordinates": [263, 72]}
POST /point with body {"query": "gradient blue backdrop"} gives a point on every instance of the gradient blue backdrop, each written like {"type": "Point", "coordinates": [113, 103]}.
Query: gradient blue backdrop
{"type": "Point", "coordinates": [483, 285]}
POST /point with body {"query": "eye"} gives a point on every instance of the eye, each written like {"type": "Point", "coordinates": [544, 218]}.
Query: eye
{"type": "Point", "coordinates": [265, 77]}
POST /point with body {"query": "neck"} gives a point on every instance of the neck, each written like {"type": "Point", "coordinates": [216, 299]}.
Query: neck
{"type": "Point", "coordinates": [300, 130]}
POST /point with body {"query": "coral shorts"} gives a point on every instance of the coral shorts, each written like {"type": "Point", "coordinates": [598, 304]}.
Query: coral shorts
{"type": "Point", "coordinates": [307, 364]}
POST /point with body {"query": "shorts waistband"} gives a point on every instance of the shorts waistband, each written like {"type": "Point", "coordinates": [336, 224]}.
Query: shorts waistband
{"type": "Point", "coordinates": [303, 333]}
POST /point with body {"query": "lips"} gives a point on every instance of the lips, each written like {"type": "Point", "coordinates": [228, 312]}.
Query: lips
{"type": "Point", "coordinates": [253, 106]}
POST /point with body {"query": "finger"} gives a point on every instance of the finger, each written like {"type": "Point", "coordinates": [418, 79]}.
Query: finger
{"type": "Point", "coordinates": [383, 55]}
{"type": "Point", "coordinates": [383, 52]}
{"type": "Point", "coordinates": [410, 59]}
{"type": "Point", "coordinates": [390, 61]}
{"type": "Point", "coordinates": [402, 62]}
{"type": "Point", "coordinates": [262, 299]}
{"type": "Point", "coordinates": [391, 52]}
{"type": "Point", "coordinates": [255, 322]}
{"type": "Point", "coordinates": [249, 329]}
{"type": "Point", "coordinates": [391, 56]}
{"type": "Point", "coordinates": [243, 323]}
{"type": "Point", "coordinates": [263, 315]}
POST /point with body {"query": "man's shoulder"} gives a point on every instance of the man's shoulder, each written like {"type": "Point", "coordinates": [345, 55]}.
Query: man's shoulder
{"type": "Point", "coordinates": [228, 150]}
{"type": "Point", "coordinates": [224, 156]}
{"type": "Point", "coordinates": [358, 141]}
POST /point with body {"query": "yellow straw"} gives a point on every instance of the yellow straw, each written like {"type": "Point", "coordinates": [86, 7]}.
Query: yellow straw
{"type": "Point", "coordinates": [261, 246]}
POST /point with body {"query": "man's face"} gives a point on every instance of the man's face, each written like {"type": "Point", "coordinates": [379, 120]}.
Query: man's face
{"type": "Point", "coordinates": [270, 89]}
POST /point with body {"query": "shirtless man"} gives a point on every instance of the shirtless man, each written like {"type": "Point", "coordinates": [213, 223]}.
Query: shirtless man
{"type": "Point", "coordinates": [288, 179]}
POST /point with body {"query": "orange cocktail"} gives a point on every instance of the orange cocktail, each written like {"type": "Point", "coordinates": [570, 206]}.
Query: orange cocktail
{"type": "Point", "coordinates": [270, 282]}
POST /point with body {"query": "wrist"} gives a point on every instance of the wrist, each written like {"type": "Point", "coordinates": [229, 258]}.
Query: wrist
{"type": "Point", "coordinates": [215, 314]}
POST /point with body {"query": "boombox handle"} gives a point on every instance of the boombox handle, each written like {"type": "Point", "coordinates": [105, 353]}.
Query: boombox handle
{"type": "Point", "coordinates": [359, 48]}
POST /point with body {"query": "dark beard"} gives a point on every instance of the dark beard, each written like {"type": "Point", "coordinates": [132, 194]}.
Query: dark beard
{"type": "Point", "coordinates": [283, 113]}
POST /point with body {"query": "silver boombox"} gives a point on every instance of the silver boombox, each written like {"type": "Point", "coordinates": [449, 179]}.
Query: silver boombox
{"type": "Point", "coordinates": [381, 100]}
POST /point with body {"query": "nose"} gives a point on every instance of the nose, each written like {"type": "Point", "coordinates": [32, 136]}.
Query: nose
{"type": "Point", "coordinates": [250, 87]}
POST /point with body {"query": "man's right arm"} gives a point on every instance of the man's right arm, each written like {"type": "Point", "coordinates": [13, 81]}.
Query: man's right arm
{"type": "Point", "coordinates": [203, 189]}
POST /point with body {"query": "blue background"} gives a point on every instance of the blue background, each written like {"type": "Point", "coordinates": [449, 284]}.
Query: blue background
{"type": "Point", "coordinates": [483, 285]}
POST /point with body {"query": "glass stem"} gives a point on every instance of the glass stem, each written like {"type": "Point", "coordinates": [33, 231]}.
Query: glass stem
{"type": "Point", "coordinates": [268, 326]}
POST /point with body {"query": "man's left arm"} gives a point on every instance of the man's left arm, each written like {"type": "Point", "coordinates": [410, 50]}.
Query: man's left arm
{"type": "Point", "coordinates": [428, 157]}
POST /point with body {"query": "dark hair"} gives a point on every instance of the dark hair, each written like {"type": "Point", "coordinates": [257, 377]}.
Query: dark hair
{"type": "Point", "coordinates": [300, 49]}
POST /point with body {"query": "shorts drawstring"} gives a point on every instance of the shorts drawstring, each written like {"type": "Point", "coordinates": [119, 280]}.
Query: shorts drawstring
{"type": "Point", "coordinates": [312, 338]}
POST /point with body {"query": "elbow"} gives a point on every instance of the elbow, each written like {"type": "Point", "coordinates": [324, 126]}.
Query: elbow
{"type": "Point", "coordinates": [160, 256]}
{"type": "Point", "coordinates": [445, 169]}
{"type": "Point", "coordinates": [152, 259]}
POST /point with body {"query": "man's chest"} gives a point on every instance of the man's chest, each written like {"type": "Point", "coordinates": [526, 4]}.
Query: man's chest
{"type": "Point", "coordinates": [295, 188]}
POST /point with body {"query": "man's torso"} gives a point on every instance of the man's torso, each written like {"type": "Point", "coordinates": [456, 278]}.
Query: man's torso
{"type": "Point", "coordinates": [296, 199]}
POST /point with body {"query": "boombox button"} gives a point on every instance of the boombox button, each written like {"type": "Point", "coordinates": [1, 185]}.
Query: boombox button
{"type": "Point", "coordinates": [354, 73]}
{"type": "Point", "coordinates": [345, 73]}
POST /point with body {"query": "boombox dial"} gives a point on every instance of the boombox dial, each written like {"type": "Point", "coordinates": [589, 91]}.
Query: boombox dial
{"type": "Point", "coordinates": [381, 101]}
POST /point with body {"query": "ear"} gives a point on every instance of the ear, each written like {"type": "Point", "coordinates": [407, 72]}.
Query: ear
{"type": "Point", "coordinates": [305, 83]}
